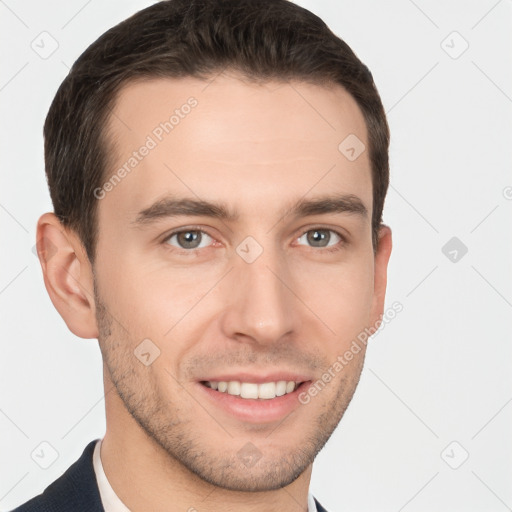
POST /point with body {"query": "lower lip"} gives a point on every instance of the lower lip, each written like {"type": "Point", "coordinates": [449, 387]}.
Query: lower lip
{"type": "Point", "coordinates": [255, 410]}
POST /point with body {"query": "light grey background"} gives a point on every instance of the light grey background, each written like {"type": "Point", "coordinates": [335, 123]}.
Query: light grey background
{"type": "Point", "coordinates": [439, 373]}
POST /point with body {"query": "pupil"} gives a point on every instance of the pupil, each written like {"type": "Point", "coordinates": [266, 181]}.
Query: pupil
{"type": "Point", "coordinates": [318, 235]}
{"type": "Point", "coordinates": [188, 239]}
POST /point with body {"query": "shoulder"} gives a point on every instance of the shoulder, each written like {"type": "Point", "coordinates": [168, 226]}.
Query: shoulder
{"type": "Point", "coordinates": [319, 507]}
{"type": "Point", "coordinates": [76, 490]}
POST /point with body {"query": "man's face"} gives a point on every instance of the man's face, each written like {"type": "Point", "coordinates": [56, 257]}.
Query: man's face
{"type": "Point", "coordinates": [271, 293]}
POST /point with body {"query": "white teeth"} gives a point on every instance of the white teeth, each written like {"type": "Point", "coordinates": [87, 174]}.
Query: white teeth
{"type": "Point", "coordinates": [234, 387]}
{"type": "Point", "coordinates": [268, 390]}
{"type": "Point", "coordinates": [264, 391]}
{"type": "Point", "coordinates": [280, 388]}
{"type": "Point", "coordinates": [249, 390]}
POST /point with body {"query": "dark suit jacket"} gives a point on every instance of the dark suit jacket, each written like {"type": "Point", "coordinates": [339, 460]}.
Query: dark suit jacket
{"type": "Point", "coordinates": [76, 490]}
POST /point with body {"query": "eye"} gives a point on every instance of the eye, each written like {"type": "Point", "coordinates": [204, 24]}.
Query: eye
{"type": "Point", "coordinates": [189, 239]}
{"type": "Point", "coordinates": [323, 238]}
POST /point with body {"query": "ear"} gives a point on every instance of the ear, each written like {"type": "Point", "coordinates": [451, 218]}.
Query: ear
{"type": "Point", "coordinates": [67, 275]}
{"type": "Point", "coordinates": [380, 273]}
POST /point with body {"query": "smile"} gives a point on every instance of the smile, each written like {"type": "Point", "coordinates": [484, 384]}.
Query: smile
{"type": "Point", "coordinates": [251, 390]}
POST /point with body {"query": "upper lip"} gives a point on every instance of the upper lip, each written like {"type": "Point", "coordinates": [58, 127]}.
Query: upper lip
{"type": "Point", "coordinates": [258, 378]}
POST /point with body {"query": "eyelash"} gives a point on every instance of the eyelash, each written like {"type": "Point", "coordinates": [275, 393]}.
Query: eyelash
{"type": "Point", "coordinates": [337, 247]}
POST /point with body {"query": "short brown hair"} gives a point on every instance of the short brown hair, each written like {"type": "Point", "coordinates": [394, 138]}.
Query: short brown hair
{"type": "Point", "coordinates": [262, 39]}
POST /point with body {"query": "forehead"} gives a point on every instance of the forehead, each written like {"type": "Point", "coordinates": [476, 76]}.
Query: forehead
{"type": "Point", "coordinates": [235, 141]}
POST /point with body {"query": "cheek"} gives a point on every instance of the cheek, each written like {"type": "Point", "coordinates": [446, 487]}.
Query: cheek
{"type": "Point", "coordinates": [158, 302]}
{"type": "Point", "coordinates": [341, 297]}
{"type": "Point", "coordinates": [130, 296]}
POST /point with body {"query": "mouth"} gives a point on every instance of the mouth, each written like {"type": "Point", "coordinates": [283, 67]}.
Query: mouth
{"type": "Point", "coordinates": [252, 390]}
{"type": "Point", "coordinates": [263, 402]}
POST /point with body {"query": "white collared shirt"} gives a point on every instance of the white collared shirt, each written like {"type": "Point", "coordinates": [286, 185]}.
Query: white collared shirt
{"type": "Point", "coordinates": [111, 501]}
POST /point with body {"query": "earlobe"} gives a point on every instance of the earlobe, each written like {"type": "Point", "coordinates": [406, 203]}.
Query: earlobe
{"type": "Point", "coordinates": [380, 272]}
{"type": "Point", "coordinates": [67, 275]}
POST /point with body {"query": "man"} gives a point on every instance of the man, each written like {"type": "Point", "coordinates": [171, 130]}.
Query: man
{"type": "Point", "coordinates": [218, 171]}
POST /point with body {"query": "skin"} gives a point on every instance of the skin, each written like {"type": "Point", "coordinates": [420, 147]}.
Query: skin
{"type": "Point", "coordinates": [257, 148]}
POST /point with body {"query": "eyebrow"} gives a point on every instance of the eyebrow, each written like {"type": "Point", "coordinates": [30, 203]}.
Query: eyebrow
{"type": "Point", "coordinates": [169, 207]}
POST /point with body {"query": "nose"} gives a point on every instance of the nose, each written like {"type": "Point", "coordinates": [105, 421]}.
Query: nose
{"type": "Point", "coordinates": [260, 306]}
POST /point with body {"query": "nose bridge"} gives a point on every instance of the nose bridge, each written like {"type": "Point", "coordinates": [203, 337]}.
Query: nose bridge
{"type": "Point", "coordinates": [262, 306]}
